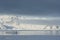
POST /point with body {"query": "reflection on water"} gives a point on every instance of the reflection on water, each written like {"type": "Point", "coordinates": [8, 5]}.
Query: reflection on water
{"type": "Point", "coordinates": [39, 32]}
{"type": "Point", "coordinates": [30, 32]}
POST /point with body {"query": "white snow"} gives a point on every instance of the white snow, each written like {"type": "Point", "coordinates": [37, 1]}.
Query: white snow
{"type": "Point", "coordinates": [14, 22]}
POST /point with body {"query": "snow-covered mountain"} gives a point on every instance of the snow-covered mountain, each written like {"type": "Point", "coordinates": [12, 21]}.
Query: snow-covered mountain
{"type": "Point", "coordinates": [14, 23]}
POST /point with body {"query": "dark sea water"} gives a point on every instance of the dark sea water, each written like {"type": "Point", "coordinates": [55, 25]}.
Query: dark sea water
{"type": "Point", "coordinates": [29, 37]}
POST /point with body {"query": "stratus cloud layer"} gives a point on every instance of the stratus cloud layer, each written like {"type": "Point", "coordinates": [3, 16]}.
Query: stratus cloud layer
{"type": "Point", "coordinates": [4, 17]}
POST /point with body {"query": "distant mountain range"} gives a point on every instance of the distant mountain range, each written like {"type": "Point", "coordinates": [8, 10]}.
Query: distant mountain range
{"type": "Point", "coordinates": [14, 23]}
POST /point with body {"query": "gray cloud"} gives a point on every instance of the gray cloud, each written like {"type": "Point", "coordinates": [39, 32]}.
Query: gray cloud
{"type": "Point", "coordinates": [30, 7]}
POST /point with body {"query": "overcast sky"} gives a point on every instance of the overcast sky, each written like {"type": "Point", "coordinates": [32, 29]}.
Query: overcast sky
{"type": "Point", "coordinates": [31, 7]}
{"type": "Point", "coordinates": [42, 8]}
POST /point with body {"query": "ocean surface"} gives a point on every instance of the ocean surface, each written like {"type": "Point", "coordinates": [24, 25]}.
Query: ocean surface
{"type": "Point", "coordinates": [29, 37]}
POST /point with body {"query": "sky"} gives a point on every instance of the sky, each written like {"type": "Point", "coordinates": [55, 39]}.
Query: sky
{"type": "Point", "coordinates": [31, 7]}
{"type": "Point", "coordinates": [41, 8]}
